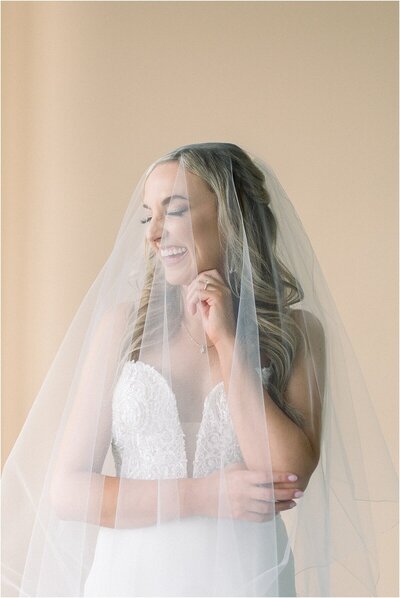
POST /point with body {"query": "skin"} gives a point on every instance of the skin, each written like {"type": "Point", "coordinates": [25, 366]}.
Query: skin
{"type": "Point", "coordinates": [210, 311]}
{"type": "Point", "coordinates": [189, 223]}
{"type": "Point", "coordinates": [197, 230]}
{"type": "Point", "coordinates": [250, 489]}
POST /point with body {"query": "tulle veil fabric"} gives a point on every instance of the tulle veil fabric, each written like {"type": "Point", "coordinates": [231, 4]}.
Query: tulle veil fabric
{"type": "Point", "coordinates": [132, 398]}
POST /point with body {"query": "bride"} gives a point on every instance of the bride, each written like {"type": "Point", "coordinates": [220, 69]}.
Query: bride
{"type": "Point", "coordinates": [200, 392]}
{"type": "Point", "coordinates": [182, 230]}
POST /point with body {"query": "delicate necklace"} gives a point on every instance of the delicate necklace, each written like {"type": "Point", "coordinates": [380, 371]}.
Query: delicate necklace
{"type": "Point", "coordinates": [202, 346]}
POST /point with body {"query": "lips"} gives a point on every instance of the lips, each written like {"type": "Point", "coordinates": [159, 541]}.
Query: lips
{"type": "Point", "coordinates": [172, 250]}
{"type": "Point", "coordinates": [172, 254]}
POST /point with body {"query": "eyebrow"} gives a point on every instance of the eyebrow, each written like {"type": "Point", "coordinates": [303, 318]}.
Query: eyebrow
{"type": "Point", "coordinates": [167, 200]}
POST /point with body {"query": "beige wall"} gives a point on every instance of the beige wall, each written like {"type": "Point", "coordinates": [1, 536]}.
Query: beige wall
{"type": "Point", "coordinates": [94, 91]}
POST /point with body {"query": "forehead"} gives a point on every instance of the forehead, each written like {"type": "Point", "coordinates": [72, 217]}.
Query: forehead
{"type": "Point", "coordinates": [171, 178]}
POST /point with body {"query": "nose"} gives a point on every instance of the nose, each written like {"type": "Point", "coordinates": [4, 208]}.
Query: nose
{"type": "Point", "coordinates": [154, 231]}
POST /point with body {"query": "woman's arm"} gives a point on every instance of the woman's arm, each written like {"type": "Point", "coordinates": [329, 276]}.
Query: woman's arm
{"type": "Point", "coordinates": [97, 498]}
{"type": "Point", "coordinates": [78, 492]}
{"type": "Point", "coordinates": [123, 503]}
{"type": "Point", "coordinates": [292, 448]}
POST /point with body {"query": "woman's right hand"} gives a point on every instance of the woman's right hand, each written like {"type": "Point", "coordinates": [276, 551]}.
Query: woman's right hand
{"type": "Point", "coordinates": [250, 495]}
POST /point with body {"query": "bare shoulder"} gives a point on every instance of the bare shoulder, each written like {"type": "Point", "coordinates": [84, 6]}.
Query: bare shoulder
{"type": "Point", "coordinates": [310, 326]}
{"type": "Point", "coordinates": [305, 318]}
{"type": "Point", "coordinates": [309, 365]}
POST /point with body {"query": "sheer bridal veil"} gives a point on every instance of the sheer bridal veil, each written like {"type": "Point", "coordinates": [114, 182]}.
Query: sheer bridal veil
{"type": "Point", "coordinates": [151, 393]}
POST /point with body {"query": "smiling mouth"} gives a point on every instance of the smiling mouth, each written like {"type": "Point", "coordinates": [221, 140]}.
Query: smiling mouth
{"type": "Point", "coordinates": [173, 254]}
{"type": "Point", "coordinates": [172, 250]}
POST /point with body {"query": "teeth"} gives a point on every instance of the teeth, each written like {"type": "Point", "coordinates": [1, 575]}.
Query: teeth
{"type": "Point", "coordinates": [172, 251]}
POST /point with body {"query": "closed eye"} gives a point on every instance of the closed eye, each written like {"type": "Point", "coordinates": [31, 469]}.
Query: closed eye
{"type": "Point", "coordinates": [176, 213]}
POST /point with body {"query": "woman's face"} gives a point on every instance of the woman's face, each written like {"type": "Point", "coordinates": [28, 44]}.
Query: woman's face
{"type": "Point", "coordinates": [180, 213]}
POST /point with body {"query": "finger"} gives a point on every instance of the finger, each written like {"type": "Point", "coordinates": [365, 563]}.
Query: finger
{"type": "Point", "coordinates": [203, 278]}
{"type": "Point", "coordinates": [192, 299]}
{"type": "Point", "coordinates": [261, 506]}
{"type": "Point", "coordinates": [208, 295]}
{"type": "Point", "coordinates": [263, 477]}
{"type": "Point", "coordinates": [284, 505]}
{"type": "Point", "coordinates": [201, 283]}
{"type": "Point", "coordinates": [191, 286]}
{"type": "Point", "coordinates": [272, 494]}
{"type": "Point", "coordinates": [214, 274]}
{"type": "Point", "coordinates": [259, 493]}
{"type": "Point", "coordinates": [288, 493]}
{"type": "Point", "coordinates": [286, 486]}
{"type": "Point", "coordinates": [201, 294]}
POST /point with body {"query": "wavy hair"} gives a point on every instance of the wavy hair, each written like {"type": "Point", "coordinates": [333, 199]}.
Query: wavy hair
{"type": "Point", "coordinates": [232, 175]}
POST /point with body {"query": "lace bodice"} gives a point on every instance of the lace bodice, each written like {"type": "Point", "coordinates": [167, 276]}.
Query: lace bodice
{"type": "Point", "coordinates": [148, 440]}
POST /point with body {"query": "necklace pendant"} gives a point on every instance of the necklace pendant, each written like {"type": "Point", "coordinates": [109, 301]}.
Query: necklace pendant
{"type": "Point", "coordinates": [202, 349]}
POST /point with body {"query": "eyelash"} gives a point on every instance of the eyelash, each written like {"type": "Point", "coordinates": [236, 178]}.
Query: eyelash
{"type": "Point", "coordinates": [177, 213]}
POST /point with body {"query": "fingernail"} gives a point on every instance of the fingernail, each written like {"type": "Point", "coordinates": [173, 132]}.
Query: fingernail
{"type": "Point", "coordinates": [292, 477]}
{"type": "Point", "coordinates": [298, 493]}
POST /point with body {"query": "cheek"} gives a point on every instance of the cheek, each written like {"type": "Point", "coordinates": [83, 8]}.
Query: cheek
{"type": "Point", "coordinates": [206, 238]}
{"type": "Point", "coordinates": [178, 230]}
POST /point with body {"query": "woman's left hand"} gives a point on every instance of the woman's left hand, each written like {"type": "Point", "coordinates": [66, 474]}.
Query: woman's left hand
{"type": "Point", "coordinates": [214, 300]}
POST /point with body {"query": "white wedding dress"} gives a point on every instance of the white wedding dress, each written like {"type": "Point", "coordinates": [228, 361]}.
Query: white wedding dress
{"type": "Point", "coordinates": [150, 442]}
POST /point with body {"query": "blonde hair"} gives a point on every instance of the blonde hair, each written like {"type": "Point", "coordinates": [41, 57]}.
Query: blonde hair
{"type": "Point", "coordinates": [221, 165]}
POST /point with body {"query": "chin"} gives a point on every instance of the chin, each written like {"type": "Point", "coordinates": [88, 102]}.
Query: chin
{"type": "Point", "coordinates": [179, 278]}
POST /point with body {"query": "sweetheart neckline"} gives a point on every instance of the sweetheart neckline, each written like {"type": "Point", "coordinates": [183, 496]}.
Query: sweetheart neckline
{"type": "Point", "coordinates": [163, 378]}
{"type": "Point", "coordinates": [167, 384]}
{"type": "Point", "coordinates": [201, 424]}
{"type": "Point", "coordinates": [131, 361]}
